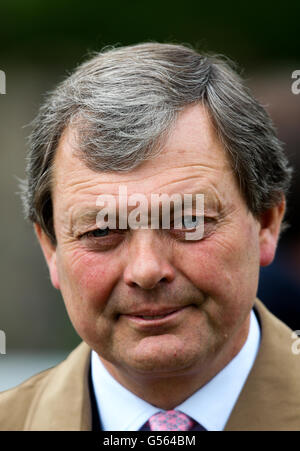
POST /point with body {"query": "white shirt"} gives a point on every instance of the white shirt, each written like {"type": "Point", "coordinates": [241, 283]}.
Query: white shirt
{"type": "Point", "coordinates": [211, 405]}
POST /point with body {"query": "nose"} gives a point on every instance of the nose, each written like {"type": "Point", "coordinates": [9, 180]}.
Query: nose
{"type": "Point", "coordinates": [148, 264]}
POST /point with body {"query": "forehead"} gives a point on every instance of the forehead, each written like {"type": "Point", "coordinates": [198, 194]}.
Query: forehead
{"type": "Point", "coordinates": [192, 159]}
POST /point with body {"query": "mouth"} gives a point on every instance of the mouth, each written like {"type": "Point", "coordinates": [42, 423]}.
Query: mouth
{"type": "Point", "coordinates": [156, 318]}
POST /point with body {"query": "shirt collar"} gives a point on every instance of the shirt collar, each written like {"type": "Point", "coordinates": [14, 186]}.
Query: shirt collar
{"type": "Point", "coordinates": [211, 405]}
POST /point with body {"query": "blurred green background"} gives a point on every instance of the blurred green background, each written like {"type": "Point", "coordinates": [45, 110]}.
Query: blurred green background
{"type": "Point", "coordinates": [42, 41]}
{"type": "Point", "coordinates": [60, 32]}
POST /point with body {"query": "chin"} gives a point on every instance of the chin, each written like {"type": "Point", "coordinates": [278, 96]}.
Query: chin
{"type": "Point", "coordinates": [165, 363]}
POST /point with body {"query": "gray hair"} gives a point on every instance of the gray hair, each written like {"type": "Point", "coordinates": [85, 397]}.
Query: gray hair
{"type": "Point", "coordinates": [122, 104]}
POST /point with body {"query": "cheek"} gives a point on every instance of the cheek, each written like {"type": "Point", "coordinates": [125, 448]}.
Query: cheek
{"type": "Point", "coordinates": [225, 266]}
{"type": "Point", "coordinates": [86, 278]}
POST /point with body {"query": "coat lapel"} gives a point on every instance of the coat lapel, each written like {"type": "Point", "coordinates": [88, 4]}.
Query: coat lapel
{"type": "Point", "coordinates": [270, 397]}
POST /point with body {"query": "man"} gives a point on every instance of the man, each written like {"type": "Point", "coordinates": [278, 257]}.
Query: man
{"type": "Point", "coordinates": [173, 335]}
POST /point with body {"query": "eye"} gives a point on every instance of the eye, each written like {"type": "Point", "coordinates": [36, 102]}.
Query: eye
{"type": "Point", "coordinates": [191, 221]}
{"type": "Point", "coordinates": [102, 239]}
{"type": "Point", "coordinates": [187, 222]}
{"type": "Point", "coordinates": [98, 233]}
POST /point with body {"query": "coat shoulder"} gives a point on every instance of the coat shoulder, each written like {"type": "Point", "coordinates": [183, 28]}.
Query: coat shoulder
{"type": "Point", "coordinates": [54, 399]}
{"type": "Point", "coordinates": [15, 402]}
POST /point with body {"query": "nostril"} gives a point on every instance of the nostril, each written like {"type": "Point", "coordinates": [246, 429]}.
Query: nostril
{"type": "Point", "coordinates": [147, 285]}
{"type": "Point", "coordinates": [146, 278]}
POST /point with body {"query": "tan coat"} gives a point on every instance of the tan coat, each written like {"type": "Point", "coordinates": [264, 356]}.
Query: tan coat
{"type": "Point", "coordinates": [58, 398]}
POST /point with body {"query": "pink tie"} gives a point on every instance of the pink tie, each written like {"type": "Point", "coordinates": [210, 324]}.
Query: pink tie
{"type": "Point", "coordinates": [171, 420]}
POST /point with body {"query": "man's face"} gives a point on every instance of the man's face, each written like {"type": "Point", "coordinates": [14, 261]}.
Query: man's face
{"type": "Point", "coordinates": [148, 301]}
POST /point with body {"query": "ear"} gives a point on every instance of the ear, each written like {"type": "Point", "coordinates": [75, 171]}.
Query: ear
{"type": "Point", "coordinates": [49, 251]}
{"type": "Point", "coordinates": [270, 222]}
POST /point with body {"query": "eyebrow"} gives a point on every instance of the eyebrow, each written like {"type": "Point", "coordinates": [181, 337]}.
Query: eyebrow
{"type": "Point", "coordinates": [87, 216]}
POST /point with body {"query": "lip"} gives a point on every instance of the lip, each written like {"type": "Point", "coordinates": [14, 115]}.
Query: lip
{"type": "Point", "coordinates": [169, 315]}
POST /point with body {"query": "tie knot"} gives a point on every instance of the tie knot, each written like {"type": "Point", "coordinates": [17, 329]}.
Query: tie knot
{"type": "Point", "coordinates": [171, 420]}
